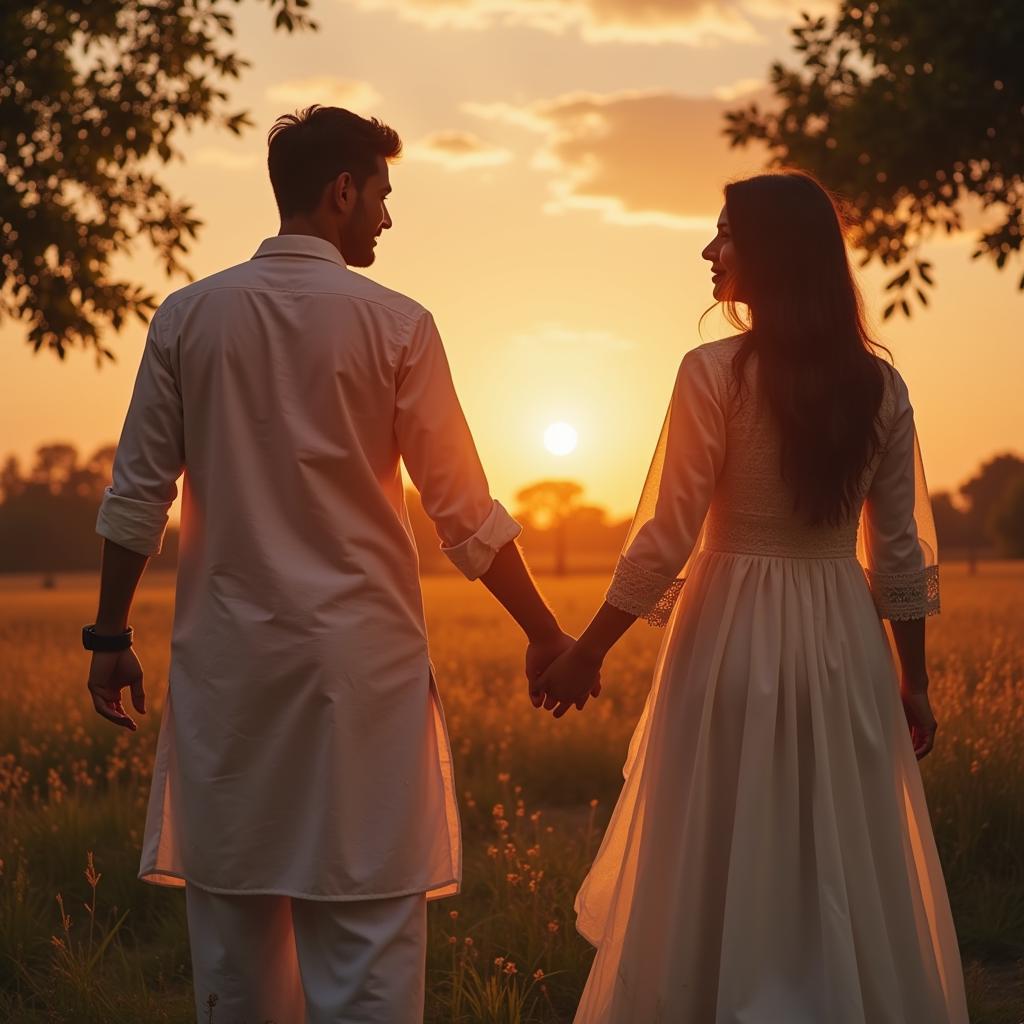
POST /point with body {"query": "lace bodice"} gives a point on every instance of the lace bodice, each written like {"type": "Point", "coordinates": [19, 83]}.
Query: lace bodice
{"type": "Point", "coordinates": [732, 439]}
{"type": "Point", "coordinates": [751, 508]}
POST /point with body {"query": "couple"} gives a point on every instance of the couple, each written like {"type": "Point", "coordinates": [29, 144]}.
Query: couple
{"type": "Point", "coordinates": [770, 859]}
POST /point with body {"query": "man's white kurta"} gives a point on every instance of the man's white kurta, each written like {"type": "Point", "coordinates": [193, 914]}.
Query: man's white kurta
{"type": "Point", "coordinates": [302, 749]}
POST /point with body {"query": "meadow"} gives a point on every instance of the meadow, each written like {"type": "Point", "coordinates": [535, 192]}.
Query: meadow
{"type": "Point", "coordinates": [82, 940]}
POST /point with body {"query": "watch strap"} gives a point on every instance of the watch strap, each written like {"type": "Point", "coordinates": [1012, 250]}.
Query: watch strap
{"type": "Point", "coordinates": [93, 641]}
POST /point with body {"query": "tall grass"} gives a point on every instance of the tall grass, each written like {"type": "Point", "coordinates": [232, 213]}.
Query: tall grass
{"type": "Point", "coordinates": [534, 797]}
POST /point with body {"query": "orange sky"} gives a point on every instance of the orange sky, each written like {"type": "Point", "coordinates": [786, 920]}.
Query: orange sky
{"type": "Point", "coordinates": [563, 170]}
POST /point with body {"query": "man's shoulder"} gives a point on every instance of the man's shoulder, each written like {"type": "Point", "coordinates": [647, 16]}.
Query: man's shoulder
{"type": "Point", "coordinates": [326, 279]}
{"type": "Point", "coordinates": [367, 290]}
{"type": "Point", "coordinates": [231, 277]}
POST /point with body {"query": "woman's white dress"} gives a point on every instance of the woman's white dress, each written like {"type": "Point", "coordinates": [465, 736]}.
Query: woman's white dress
{"type": "Point", "coordinates": [770, 859]}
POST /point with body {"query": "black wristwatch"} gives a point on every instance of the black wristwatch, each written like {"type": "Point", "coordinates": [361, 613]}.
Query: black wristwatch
{"type": "Point", "coordinates": [93, 641]}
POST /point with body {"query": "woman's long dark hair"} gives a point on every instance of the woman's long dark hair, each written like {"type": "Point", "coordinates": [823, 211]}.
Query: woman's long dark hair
{"type": "Point", "coordinates": [816, 365]}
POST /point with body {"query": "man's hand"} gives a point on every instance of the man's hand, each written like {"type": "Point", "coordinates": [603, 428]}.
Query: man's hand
{"type": "Point", "coordinates": [539, 655]}
{"type": "Point", "coordinates": [109, 673]}
{"type": "Point", "coordinates": [571, 679]}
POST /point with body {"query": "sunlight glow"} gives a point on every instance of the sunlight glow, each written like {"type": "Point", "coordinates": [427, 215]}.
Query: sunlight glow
{"type": "Point", "coordinates": [560, 439]}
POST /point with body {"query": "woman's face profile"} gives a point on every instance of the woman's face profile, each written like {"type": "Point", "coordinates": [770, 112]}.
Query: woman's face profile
{"type": "Point", "coordinates": [721, 254]}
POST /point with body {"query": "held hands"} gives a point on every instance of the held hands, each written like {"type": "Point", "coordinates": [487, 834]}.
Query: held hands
{"type": "Point", "coordinates": [571, 679]}
{"type": "Point", "coordinates": [109, 673]}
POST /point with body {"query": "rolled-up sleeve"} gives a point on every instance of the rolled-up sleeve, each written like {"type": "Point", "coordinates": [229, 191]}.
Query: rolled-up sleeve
{"type": "Point", "coordinates": [438, 450]}
{"type": "Point", "coordinates": [150, 456]}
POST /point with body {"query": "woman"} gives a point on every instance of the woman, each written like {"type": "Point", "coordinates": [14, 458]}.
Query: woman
{"type": "Point", "coordinates": [770, 859]}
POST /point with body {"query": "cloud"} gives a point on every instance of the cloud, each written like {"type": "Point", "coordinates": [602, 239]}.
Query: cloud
{"type": "Point", "coordinates": [328, 90]}
{"type": "Point", "coordinates": [638, 21]}
{"type": "Point", "coordinates": [633, 157]}
{"type": "Point", "coordinates": [742, 88]}
{"type": "Point", "coordinates": [226, 159]}
{"type": "Point", "coordinates": [457, 151]}
{"type": "Point", "coordinates": [555, 337]}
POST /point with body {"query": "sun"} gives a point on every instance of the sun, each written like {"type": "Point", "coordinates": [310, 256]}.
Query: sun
{"type": "Point", "coordinates": [560, 439]}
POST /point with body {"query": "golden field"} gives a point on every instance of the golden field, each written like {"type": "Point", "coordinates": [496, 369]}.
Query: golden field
{"type": "Point", "coordinates": [534, 795]}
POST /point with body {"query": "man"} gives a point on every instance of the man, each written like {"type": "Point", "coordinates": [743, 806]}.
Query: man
{"type": "Point", "coordinates": [302, 792]}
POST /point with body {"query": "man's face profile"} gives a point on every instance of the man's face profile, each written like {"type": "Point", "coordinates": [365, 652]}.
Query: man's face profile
{"type": "Point", "coordinates": [368, 219]}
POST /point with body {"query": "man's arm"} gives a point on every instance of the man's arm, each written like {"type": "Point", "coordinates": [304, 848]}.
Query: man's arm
{"type": "Point", "coordinates": [110, 672]}
{"type": "Point", "coordinates": [477, 534]}
{"type": "Point", "coordinates": [133, 517]}
{"type": "Point", "coordinates": [509, 580]}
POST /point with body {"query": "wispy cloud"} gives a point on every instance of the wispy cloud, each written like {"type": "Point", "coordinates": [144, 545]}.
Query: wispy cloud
{"type": "Point", "coordinates": [694, 22]}
{"type": "Point", "coordinates": [227, 159]}
{"type": "Point", "coordinates": [742, 88]}
{"type": "Point", "coordinates": [457, 151]}
{"type": "Point", "coordinates": [635, 158]}
{"type": "Point", "coordinates": [328, 90]}
{"type": "Point", "coordinates": [556, 337]}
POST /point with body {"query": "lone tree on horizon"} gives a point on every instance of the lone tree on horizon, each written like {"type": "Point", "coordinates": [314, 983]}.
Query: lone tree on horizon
{"type": "Point", "coordinates": [912, 111]}
{"type": "Point", "coordinates": [547, 505]}
{"type": "Point", "coordinates": [92, 99]}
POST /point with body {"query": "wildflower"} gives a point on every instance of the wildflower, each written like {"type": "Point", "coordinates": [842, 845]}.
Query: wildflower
{"type": "Point", "coordinates": [553, 927]}
{"type": "Point", "coordinates": [492, 851]}
{"type": "Point", "coordinates": [498, 811]}
{"type": "Point", "coordinates": [593, 803]}
{"type": "Point", "coordinates": [535, 817]}
{"type": "Point", "coordinates": [510, 968]}
{"type": "Point", "coordinates": [503, 777]}
{"type": "Point", "coordinates": [512, 879]}
{"type": "Point", "coordinates": [468, 940]}
{"type": "Point", "coordinates": [538, 975]}
{"type": "Point", "coordinates": [453, 914]}
{"type": "Point", "coordinates": [452, 940]}
{"type": "Point", "coordinates": [499, 961]}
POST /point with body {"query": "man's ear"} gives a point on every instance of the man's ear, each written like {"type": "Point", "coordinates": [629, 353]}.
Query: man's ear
{"type": "Point", "coordinates": [344, 191]}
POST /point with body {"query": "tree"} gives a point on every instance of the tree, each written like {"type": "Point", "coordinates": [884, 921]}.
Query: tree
{"type": "Point", "coordinates": [48, 515]}
{"type": "Point", "coordinates": [549, 505]}
{"type": "Point", "coordinates": [985, 492]}
{"type": "Point", "coordinates": [1007, 521]}
{"type": "Point", "coordinates": [907, 109]}
{"type": "Point", "coordinates": [93, 97]}
{"type": "Point", "coordinates": [952, 525]}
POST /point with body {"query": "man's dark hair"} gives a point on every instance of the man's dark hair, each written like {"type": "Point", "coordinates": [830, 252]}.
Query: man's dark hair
{"type": "Point", "coordinates": [312, 147]}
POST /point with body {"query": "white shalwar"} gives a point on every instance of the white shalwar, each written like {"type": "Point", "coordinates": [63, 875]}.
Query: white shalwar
{"type": "Point", "coordinates": [288, 961]}
{"type": "Point", "coordinates": [302, 750]}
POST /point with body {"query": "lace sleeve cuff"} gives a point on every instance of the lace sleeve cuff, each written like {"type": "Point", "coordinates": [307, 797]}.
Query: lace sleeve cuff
{"type": "Point", "coordinates": [643, 593]}
{"type": "Point", "coordinates": [905, 595]}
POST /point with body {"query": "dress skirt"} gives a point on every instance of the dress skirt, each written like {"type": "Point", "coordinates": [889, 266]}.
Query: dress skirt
{"type": "Point", "coordinates": [770, 859]}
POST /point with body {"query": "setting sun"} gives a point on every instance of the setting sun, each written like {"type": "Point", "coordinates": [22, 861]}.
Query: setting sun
{"type": "Point", "coordinates": [560, 438]}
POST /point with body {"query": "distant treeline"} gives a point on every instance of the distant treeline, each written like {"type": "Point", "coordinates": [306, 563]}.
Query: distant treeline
{"type": "Point", "coordinates": [48, 518]}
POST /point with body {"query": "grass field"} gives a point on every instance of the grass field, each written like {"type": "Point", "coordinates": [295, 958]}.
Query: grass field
{"type": "Point", "coordinates": [82, 940]}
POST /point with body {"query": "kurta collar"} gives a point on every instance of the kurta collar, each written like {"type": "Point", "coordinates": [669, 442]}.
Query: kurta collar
{"type": "Point", "coordinates": [300, 245]}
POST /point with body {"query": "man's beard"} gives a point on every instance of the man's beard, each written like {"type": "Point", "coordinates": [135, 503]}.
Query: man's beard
{"type": "Point", "coordinates": [357, 247]}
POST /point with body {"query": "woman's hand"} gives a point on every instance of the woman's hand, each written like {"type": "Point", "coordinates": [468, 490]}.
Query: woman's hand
{"type": "Point", "coordinates": [918, 710]}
